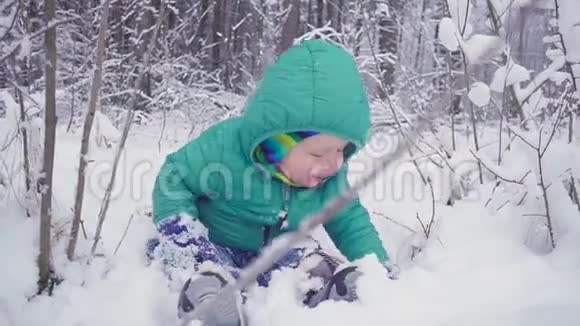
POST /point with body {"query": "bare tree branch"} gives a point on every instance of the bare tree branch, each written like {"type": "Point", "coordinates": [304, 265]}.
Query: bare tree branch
{"type": "Point", "coordinates": [493, 172]}
{"type": "Point", "coordinates": [395, 222]}
{"type": "Point", "coordinates": [559, 119]}
{"type": "Point", "coordinates": [124, 234]}
{"type": "Point", "coordinates": [522, 138]}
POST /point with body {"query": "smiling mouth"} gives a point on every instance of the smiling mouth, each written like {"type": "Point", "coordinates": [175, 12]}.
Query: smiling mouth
{"type": "Point", "coordinates": [320, 180]}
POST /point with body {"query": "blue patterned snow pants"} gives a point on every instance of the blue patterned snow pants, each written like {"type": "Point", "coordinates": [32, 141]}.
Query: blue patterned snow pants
{"type": "Point", "coordinates": [197, 250]}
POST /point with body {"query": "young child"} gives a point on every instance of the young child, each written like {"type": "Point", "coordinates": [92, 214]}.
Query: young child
{"type": "Point", "coordinates": [223, 196]}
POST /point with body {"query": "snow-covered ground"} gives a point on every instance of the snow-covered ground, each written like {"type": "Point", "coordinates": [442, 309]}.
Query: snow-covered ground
{"type": "Point", "coordinates": [475, 270]}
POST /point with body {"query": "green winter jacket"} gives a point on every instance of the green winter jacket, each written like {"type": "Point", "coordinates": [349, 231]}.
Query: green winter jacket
{"type": "Point", "coordinates": [312, 86]}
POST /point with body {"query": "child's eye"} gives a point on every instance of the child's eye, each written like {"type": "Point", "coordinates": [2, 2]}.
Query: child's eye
{"type": "Point", "coordinates": [315, 155]}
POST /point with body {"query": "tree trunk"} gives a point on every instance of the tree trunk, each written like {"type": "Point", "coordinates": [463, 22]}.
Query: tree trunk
{"type": "Point", "coordinates": [78, 207]}
{"type": "Point", "coordinates": [331, 14]}
{"type": "Point", "coordinates": [320, 13]}
{"type": "Point", "coordinates": [202, 33]}
{"type": "Point", "coordinates": [449, 81]}
{"type": "Point", "coordinates": [339, 17]}
{"type": "Point", "coordinates": [240, 23]}
{"type": "Point", "coordinates": [217, 34]}
{"type": "Point", "coordinates": [290, 27]}
{"type": "Point", "coordinates": [358, 30]}
{"type": "Point", "coordinates": [145, 23]}
{"type": "Point", "coordinates": [228, 12]}
{"type": "Point", "coordinates": [44, 262]}
{"type": "Point", "coordinates": [389, 41]}
{"type": "Point", "coordinates": [310, 15]}
{"type": "Point", "coordinates": [258, 40]}
{"type": "Point", "coordinates": [441, 53]}
{"type": "Point", "coordinates": [420, 48]}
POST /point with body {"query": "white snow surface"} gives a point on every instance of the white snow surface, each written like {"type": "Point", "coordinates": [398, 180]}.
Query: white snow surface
{"type": "Point", "coordinates": [477, 271]}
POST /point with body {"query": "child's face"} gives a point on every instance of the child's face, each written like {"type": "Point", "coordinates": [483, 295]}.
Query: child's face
{"type": "Point", "coordinates": [314, 159]}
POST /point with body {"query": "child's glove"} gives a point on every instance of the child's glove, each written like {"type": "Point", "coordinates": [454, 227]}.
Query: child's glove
{"type": "Point", "coordinates": [175, 245]}
{"type": "Point", "coordinates": [393, 271]}
{"type": "Point", "coordinates": [179, 229]}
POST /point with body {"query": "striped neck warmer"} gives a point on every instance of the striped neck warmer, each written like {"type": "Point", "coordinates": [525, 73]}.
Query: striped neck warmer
{"type": "Point", "coordinates": [274, 149]}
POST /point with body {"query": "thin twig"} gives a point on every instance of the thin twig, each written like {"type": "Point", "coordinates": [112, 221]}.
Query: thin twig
{"type": "Point", "coordinates": [502, 205]}
{"type": "Point", "coordinates": [487, 202]}
{"type": "Point", "coordinates": [497, 183]}
{"type": "Point", "coordinates": [432, 221]}
{"type": "Point", "coordinates": [545, 191]}
{"type": "Point", "coordinates": [522, 138]}
{"type": "Point", "coordinates": [124, 234]}
{"type": "Point", "coordinates": [522, 199]}
{"type": "Point", "coordinates": [559, 119]}
{"type": "Point", "coordinates": [492, 171]}
{"type": "Point", "coordinates": [524, 177]}
{"type": "Point", "coordinates": [395, 222]}
{"type": "Point", "coordinates": [534, 215]}
{"type": "Point", "coordinates": [423, 227]}
{"type": "Point", "coordinates": [436, 152]}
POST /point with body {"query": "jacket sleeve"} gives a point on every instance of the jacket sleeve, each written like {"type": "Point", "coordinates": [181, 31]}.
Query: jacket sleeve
{"type": "Point", "coordinates": [352, 231]}
{"type": "Point", "coordinates": [175, 190]}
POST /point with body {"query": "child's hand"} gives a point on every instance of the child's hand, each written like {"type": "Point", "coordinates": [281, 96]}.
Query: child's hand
{"type": "Point", "coordinates": [393, 271]}
{"type": "Point", "coordinates": [176, 244]}
{"type": "Point", "coordinates": [179, 229]}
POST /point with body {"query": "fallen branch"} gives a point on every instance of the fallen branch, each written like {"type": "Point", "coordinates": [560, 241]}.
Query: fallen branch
{"type": "Point", "coordinates": [280, 246]}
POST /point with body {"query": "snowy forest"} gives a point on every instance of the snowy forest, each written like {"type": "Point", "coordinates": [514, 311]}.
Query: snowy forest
{"type": "Point", "coordinates": [475, 104]}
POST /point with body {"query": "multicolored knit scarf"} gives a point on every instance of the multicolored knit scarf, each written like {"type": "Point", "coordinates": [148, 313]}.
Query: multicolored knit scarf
{"type": "Point", "coordinates": [274, 149]}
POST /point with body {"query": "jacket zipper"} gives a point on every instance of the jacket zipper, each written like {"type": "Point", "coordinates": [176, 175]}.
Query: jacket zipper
{"type": "Point", "coordinates": [282, 214]}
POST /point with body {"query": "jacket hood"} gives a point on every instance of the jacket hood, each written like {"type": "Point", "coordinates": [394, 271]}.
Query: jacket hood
{"type": "Point", "coordinates": [313, 86]}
